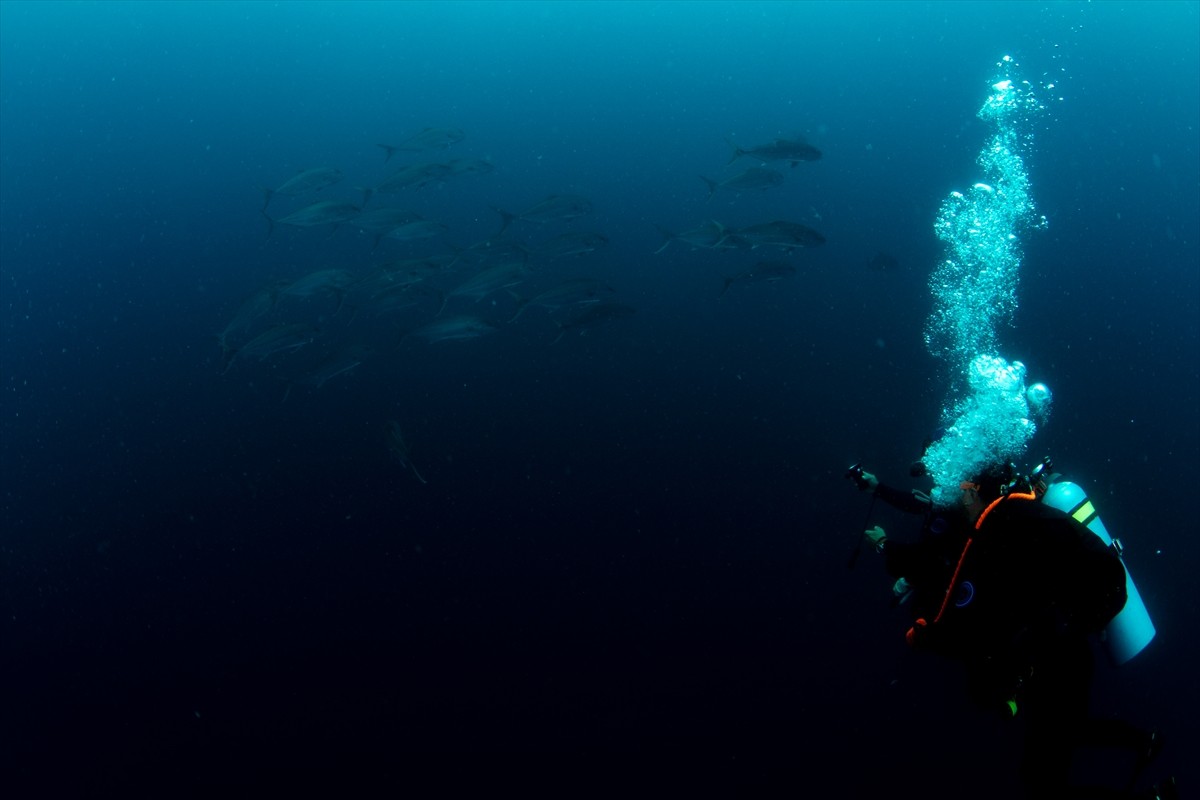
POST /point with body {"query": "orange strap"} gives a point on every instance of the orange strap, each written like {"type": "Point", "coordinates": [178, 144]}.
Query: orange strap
{"type": "Point", "coordinates": [996, 502]}
{"type": "Point", "coordinates": [963, 557]}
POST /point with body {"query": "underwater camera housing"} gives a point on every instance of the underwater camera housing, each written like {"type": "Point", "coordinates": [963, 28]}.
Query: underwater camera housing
{"type": "Point", "coordinates": [855, 473]}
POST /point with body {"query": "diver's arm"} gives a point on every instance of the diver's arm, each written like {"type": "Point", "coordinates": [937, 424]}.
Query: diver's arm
{"type": "Point", "coordinates": [908, 502]}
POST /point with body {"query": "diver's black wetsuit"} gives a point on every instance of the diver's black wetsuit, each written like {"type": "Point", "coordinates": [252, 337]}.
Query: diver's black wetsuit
{"type": "Point", "coordinates": [905, 501]}
{"type": "Point", "coordinates": [927, 563]}
{"type": "Point", "coordinates": [1040, 583]}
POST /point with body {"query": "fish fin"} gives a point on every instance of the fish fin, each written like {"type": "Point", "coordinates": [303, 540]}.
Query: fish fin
{"type": "Point", "coordinates": [413, 467]}
{"type": "Point", "coordinates": [522, 304]}
{"type": "Point", "coordinates": [459, 252]}
{"type": "Point", "coordinates": [389, 150]}
{"type": "Point", "coordinates": [725, 232]}
{"type": "Point", "coordinates": [270, 224]}
{"type": "Point", "coordinates": [227, 359]}
{"type": "Point", "coordinates": [404, 334]}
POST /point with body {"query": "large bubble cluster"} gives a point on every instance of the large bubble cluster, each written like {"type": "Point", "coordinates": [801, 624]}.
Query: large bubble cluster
{"type": "Point", "coordinates": [987, 414]}
{"type": "Point", "coordinates": [990, 425]}
{"type": "Point", "coordinates": [975, 287]}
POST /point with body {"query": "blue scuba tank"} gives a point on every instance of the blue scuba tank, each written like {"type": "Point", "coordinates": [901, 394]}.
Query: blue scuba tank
{"type": "Point", "coordinates": [1131, 629]}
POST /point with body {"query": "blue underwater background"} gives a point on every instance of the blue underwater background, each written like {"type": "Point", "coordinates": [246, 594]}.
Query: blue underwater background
{"type": "Point", "coordinates": [624, 558]}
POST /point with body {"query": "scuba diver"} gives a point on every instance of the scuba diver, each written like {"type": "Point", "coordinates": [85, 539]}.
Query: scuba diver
{"type": "Point", "coordinates": [1012, 588]}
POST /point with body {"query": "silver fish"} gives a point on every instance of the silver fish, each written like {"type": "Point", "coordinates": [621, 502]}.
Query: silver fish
{"type": "Point", "coordinates": [320, 282]}
{"type": "Point", "coordinates": [491, 251]}
{"type": "Point", "coordinates": [791, 150]}
{"type": "Point", "coordinates": [454, 329]}
{"type": "Point", "coordinates": [780, 233]}
{"type": "Point", "coordinates": [569, 244]}
{"type": "Point", "coordinates": [762, 272]}
{"type": "Point", "coordinates": [340, 363]}
{"type": "Point", "coordinates": [417, 229]}
{"type": "Point", "coordinates": [323, 282]}
{"type": "Point", "coordinates": [578, 291]}
{"type": "Point", "coordinates": [427, 139]}
{"type": "Point", "coordinates": [501, 276]}
{"type": "Point", "coordinates": [413, 176]}
{"type": "Point", "coordinates": [556, 207]}
{"type": "Point", "coordinates": [280, 339]}
{"type": "Point", "coordinates": [384, 218]}
{"type": "Point", "coordinates": [710, 235]}
{"type": "Point", "coordinates": [402, 273]}
{"type": "Point", "coordinates": [753, 179]}
{"type": "Point", "coordinates": [593, 316]}
{"type": "Point", "coordinates": [400, 297]}
{"type": "Point", "coordinates": [380, 222]}
{"type": "Point", "coordinates": [253, 308]}
{"type": "Point", "coordinates": [470, 166]}
{"type": "Point", "coordinates": [310, 180]}
{"type": "Point", "coordinates": [326, 212]}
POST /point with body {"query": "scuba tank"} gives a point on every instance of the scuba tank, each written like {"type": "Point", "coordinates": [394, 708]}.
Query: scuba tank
{"type": "Point", "coordinates": [1128, 633]}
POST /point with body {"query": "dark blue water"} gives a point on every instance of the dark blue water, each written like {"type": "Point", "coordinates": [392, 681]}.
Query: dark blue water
{"type": "Point", "coordinates": [629, 556]}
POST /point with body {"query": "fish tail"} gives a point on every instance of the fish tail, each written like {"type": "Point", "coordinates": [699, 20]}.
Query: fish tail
{"type": "Point", "coordinates": [725, 288]}
{"type": "Point", "coordinates": [712, 186]}
{"type": "Point", "coordinates": [506, 219]}
{"type": "Point", "coordinates": [413, 467]}
{"type": "Point", "coordinates": [725, 234]}
{"type": "Point", "coordinates": [442, 305]}
{"type": "Point", "coordinates": [668, 237]}
{"type": "Point", "coordinates": [268, 194]}
{"type": "Point", "coordinates": [737, 152]}
{"type": "Point", "coordinates": [389, 150]}
{"type": "Point", "coordinates": [366, 194]}
{"type": "Point", "coordinates": [228, 356]}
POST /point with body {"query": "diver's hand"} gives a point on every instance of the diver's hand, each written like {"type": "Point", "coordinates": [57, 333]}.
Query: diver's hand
{"type": "Point", "coordinates": [876, 537]}
{"type": "Point", "coordinates": [862, 479]}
